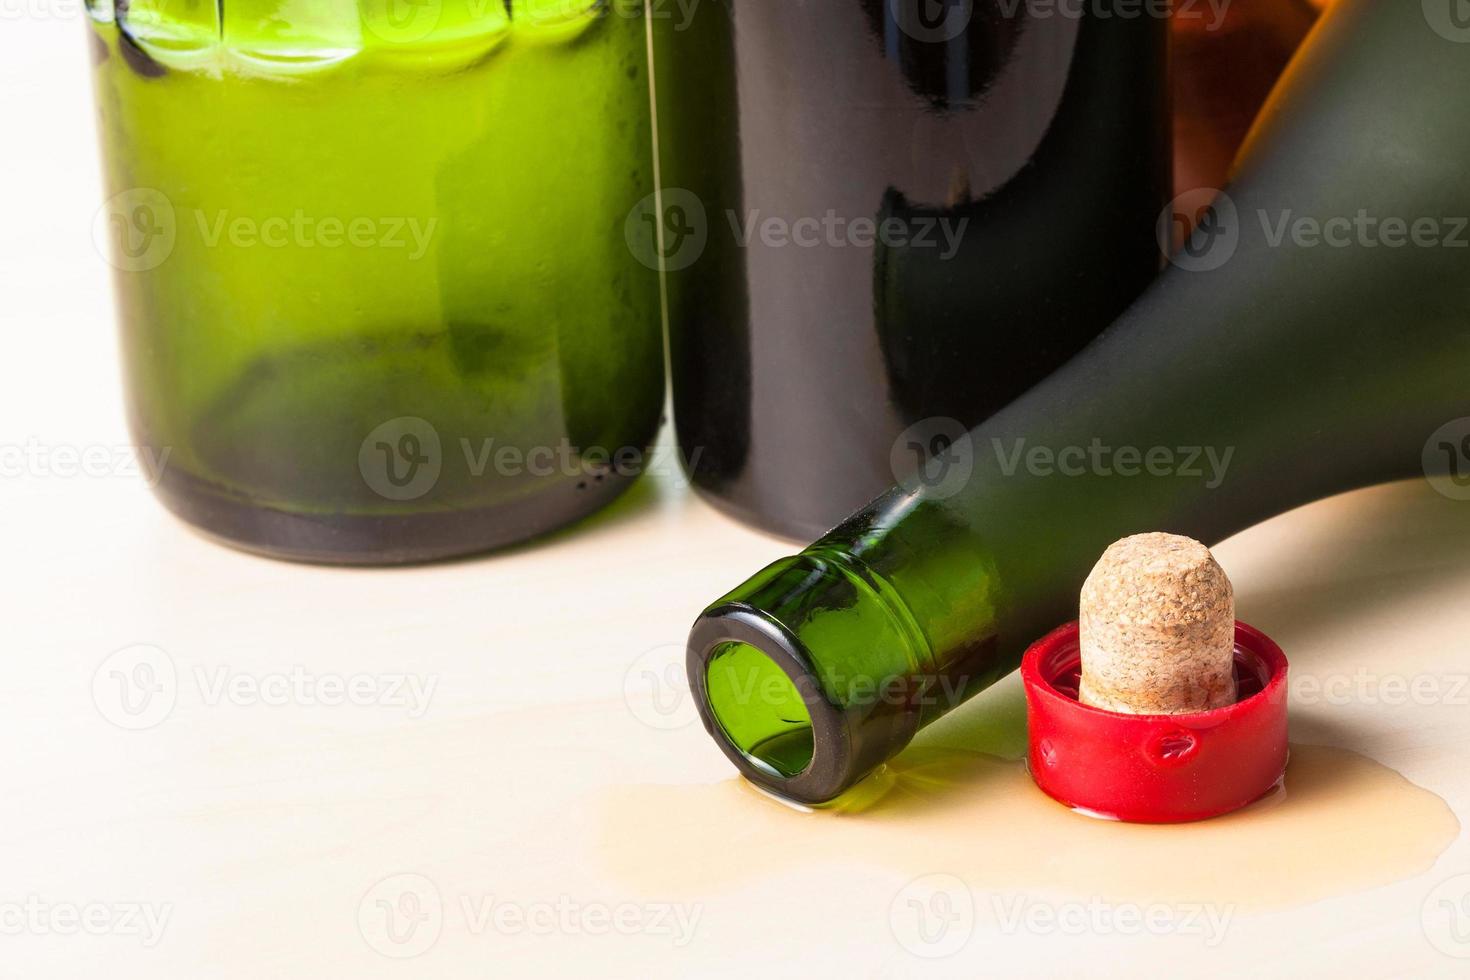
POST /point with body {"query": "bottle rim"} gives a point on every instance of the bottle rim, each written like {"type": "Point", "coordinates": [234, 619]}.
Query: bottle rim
{"type": "Point", "coordinates": [828, 772]}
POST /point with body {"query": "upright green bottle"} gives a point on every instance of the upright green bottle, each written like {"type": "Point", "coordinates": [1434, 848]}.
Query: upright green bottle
{"type": "Point", "coordinates": [377, 294]}
{"type": "Point", "coordinates": [1314, 336]}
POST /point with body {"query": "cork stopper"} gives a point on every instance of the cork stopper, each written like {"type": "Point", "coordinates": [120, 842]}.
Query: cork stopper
{"type": "Point", "coordinates": [1157, 628]}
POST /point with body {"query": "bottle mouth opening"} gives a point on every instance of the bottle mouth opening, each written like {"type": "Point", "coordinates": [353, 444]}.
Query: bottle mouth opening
{"type": "Point", "coordinates": [759, 709]}
{"type": "Point", "coordinates": [761, 701]}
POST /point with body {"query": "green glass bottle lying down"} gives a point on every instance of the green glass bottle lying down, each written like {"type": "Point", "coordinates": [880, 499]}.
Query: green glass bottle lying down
{"type": "Point", "coordinates": [1265, 370]}
{"type": "Point", "coordinates": [378, 302]}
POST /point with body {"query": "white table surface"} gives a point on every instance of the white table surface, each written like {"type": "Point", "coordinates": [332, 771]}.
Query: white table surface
{"type": "Point", "coordinates": [563, 819]}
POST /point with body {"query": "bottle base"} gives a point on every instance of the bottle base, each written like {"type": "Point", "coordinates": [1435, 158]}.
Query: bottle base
{"type": "Point", "coordinates": [381, 539]}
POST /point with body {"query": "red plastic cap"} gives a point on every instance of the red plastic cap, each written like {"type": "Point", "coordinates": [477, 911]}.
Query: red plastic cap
{"type": "Point", "coordinates": [1156, 768]}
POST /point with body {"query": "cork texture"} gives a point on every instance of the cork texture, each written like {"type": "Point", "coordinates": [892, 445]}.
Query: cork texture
{"type": "Point", "coordinates": [1157, 628]}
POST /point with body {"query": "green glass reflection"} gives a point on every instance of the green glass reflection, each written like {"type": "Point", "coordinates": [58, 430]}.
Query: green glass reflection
{"type": "Point", "coordinates": [759, 708]}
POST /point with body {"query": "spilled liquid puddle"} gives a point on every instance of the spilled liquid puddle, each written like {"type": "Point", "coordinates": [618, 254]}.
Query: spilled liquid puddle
{"type": "Point", "coordinates": [1341, 823]}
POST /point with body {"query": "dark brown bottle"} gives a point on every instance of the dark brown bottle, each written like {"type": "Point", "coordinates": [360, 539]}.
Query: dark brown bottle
{"type": "Point", "coordinates": [1224, 65]}
{"type": "Point", "coordinates": [884, 220]}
